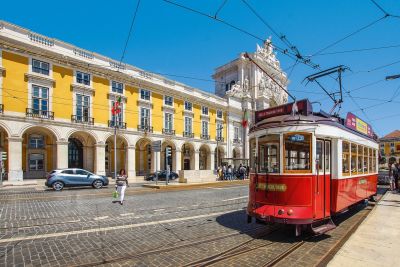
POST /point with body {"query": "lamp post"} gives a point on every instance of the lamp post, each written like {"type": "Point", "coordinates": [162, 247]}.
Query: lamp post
{"type": "Point", "coordinates": [218, 137]}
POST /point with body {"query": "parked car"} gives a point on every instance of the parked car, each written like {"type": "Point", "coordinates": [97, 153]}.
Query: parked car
{"type": "Point", "coordinates": [58, 179]}
{"type": "Point", "coordinates": [161, 176]}
{"type": "Point", "coordinates": [383, 177]}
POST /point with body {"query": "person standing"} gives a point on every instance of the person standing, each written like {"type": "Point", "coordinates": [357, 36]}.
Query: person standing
{"type": "Point", "coordinates": [224, 172]}
{"type": "Point", "coordinates": [396, 176]}
{"type": "Point", "coordinates": [121, 183]}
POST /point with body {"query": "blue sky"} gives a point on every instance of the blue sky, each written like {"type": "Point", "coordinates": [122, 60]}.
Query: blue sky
{"type": "Point", "coordinates": [170, 40]}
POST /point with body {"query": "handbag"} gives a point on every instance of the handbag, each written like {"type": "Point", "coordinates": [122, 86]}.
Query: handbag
{"type": "Point", "coordinates": [115, 194]}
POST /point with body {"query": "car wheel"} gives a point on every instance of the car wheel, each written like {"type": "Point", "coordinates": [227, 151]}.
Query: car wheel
{"type": "Point", "coordinates": [58, 186]}
{"type": "Point", "coordinates": [97, 184]}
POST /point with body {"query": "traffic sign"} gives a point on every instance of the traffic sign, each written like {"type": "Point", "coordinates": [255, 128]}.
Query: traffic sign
{"type": "Point", "coordinates": [168, 152]}
{"type": "Point", "coordinates": [156, 146]}
{"type": "Point", "coordinates": [3, 155]}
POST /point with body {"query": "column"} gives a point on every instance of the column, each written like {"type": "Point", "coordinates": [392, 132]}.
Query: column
{"type": "Point", "coordinates": [196, 160]}
{"type": "Point", "coordinates": [130, 162]}
{"type": "Point", "coordinates": [155, 161]}
{"type": "Point", "coordinates": [15, 172]}
{"type": "Point", "coordinates": [62, 154]}
{"type": "Point", "coordinates": [100, 159]}
{"type": "Point", "coordinates": [178, 160]}
{"type": "Point", "coordinates": [212, 158]}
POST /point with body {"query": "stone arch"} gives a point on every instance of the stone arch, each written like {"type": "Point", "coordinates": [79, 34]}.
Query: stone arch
{"type": "Point", "coordinates": [39, 151]}
{"type": "Point", "coordinates": [5, 128]}
{"type": "Point", "coordinates": [219, 156]}
{"type": "Point", "coordinates": [120, 136]}
{"type": "Point", "coordinates": [143, 157]}
{"type": "Point", "coordinates": [81, 150]}
{"type": "Point", "coordinates": [205, 157]}
{"type": "Point", "coordinates": [89, 132]}
{"type": "Point", "coordinates": [47, 128]}
{"type": "Point", "coordinates": [166, 145]}
{"type": "Point", "coordinates": [188, 156]}
{"type": "Point", "coordinates": [236, 153]}
{"type": "Point", "coordinates": [121, 149]}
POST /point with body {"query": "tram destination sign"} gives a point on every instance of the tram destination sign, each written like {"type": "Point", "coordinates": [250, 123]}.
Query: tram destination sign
{"type": "Point", "coordinates": [358, 125]}
{"type": "Point", "coordinates": [304, 107]}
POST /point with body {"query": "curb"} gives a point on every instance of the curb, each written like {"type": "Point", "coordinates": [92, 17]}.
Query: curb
{"type": "Point", "coordinates": [199, 185]}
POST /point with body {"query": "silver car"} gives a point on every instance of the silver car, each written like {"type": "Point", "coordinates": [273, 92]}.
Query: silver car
{"type": "Point", "coordinates": [58, 179]}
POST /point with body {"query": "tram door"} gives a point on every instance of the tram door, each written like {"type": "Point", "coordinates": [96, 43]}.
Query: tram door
{"type": "Point", "coordinates": [323, 178]}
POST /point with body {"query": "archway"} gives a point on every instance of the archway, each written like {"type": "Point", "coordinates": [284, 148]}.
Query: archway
{"type": "Point", "coordinates": [39, 152]}
{"type": "Point", "coordinates": [219, 155]}
{"type": "Point", "coordinates": [236, 153]}
{"type": "Point", "coordinates": [204, 158]}
{"type": "Point", "coordinates": [168, 151]}
{"type": "Point", "coordinates": [188, 157]}
{"type": "Point", "coordinates": [143, 157]}
{"type": "Point", "coordinates": [109, 155]}
{"type": "Point", "coordinates": [81, 151]}
{"type": "Point", "coordinates": [4, 148]}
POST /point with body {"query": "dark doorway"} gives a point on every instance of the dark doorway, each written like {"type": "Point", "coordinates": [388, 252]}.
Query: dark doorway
{"type": "Point", "coordinates": [75, 153]}
{"type": "Point", "coordinates": [186, 164]}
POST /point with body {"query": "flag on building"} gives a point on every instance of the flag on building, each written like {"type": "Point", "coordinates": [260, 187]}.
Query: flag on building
{"type": "Point", "coordinates": [245, 120]}
{"type": "Point", "coordinates": [116, 108]}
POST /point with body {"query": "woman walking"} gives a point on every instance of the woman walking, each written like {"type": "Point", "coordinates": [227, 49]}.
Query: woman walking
{"type": "Point", "coordinates": [121, 183]}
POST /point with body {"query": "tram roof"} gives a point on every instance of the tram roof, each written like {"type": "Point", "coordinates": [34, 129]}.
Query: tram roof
{"type": "Point", "coordinates": [283, 115]}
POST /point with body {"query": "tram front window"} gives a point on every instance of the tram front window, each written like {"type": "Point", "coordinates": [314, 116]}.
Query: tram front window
{"type": "Point", "coordinates": [269, 154]}
{"type": "Point", "coordinates": [297, 147]}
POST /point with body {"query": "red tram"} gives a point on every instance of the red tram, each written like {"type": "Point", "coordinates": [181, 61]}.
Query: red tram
{"type": "Point", "coordinates": [306, 167]}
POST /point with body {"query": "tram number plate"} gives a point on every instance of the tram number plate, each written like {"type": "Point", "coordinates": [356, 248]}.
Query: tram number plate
{"type": "Point", "coordinates": [272, 187]}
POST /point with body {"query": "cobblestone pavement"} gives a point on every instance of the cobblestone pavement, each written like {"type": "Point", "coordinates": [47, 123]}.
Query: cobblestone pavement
{"type": "Point", "coordinates": [81, 227]}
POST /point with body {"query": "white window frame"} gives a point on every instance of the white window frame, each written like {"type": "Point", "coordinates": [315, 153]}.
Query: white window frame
{"type": "Point", "coordinates": [40, 104]}
{"type": "Point", "coordinates": [111, 88]}
{"type": "Point", "coordinates": [191, 106]}
{"type": "Point", "coordinates": [82, 84]}
{"type": "Point", "coordinates": [37, 137]}
{"type": "Point", "coordinates": [203, 122]}
{"type": "Point", "coordinates": [140, 95]}
{"type": "Point", "coordinates": [186, 119]}
{"type": "Point", "coordinates": [41, 61]}
{"type": "Point", "coordinates": [220, 126]}
{"type": "Point", "coordinates": [140, 116]}
{"type": "Point", "coordinates": [82, 92]}
{"type": "Point", "coordinates": [204, 108]}
{"type": "Point", "coordinates": [222, 114]}
{"type": "Point", "coordinates": [236, 134]}
{"type": "Point", "coordinates": [172, 120]}
{"type": "Point", "coordinates": [29, 161]}
{"type": "Point", "coordinates": [172, 101]}
{"type": "Point", "coordinates": [90, 106]}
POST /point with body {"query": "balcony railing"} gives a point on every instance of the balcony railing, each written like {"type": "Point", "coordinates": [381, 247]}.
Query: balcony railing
{"type": "Point", "coordinates": [237, 141]}
{"type": "Point", "coordinates": [187, 134]}
{"type": "Point", "coordinates": [1, 108]}
{"type": "Point", "coordinates": [168, 131]}
{"type": "Point", "coordinates": [37, 113]}
{"type": "Point", "coordinates": [82, 119]}
{"type": "Point", "coordinates": [219, 139]}
{"type": "Point", "coordinates": [205, 136]}
{"type": "Point", "coordinates": [120, 124]}
{"type": "Point", "coordinates": [145, 128]}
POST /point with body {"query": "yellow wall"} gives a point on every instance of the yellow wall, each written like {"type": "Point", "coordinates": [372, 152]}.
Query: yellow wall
{"type": "Point", "coordinates": [387, 147]}
{"type": "Point", "coordinates": [179, 121]}
{"type": "Point", "coordinates": [101, 108]}
{"type": "Point", "coordinates": [212, 126]}
{"type": "Point", "coordinates": [157, 114]}
{"type": "Point", "coordinates": [131, 109]}
{"type": "Point", "coordinates": [15, 85]}
{"type": "Point", "coordinates": [62, 94]}
{"type": "Point", "coordinates": [197, 120]}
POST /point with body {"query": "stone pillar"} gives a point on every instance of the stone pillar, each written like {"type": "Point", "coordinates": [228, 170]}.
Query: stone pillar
{"type": "Point", "coordinates": [130, 162]}
{"type": "Point", "coordinates": [178, 160]}
{"type": "Point", "coordinates": [15, 172]}
{"type": "Point", "coordinates": [212, 158]}
{"type": "Point", "coordinates": [196, 160]}
{"type": "Point", "coordinates": [155, 161]}
{"type": "Point", "coordinates": [62, 154]}
{"type": "Point", "coordinates": [100, 159]}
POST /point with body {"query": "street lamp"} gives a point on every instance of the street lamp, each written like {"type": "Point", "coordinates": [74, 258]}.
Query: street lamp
{"type": "Point", "coordinates": [219, 135]}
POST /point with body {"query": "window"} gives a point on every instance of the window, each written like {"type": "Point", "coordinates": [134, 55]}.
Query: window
{"type": "Point", "coordinates": [204, 128]}
{"type": "Point", "coordinates": [145, 117]}
{"type": "Point", "coordinates": [219, 114]}
{"type": "Point", "coordinates": [345, 158]}
{"type": "Point", "coordinates": [36, 162]}
{"type": "Point", "coordinates": [188, 106]}
{"type": "Point", "coordinates": [204, 110]}
{"type": "Point", "coordinates": [117, 87]}
{"type": "Point", "coordinates": [353, 158]}
{"type": "Point", "coordinates": [40, 99]}
{"type": "Point", "coordinates": [360, 157]}
{"type": "Point", "coordinates": [327, 156]}
{"type": "Point", "coordinates": [120, 116]}
{"type": "Point", "coordinates": [145, 94]}
{"type": "Point", "coordinates": [371, 156]}
{"type": "Point", "coordinates": [83, 78]}
{"type": "Point", "coordinates": [236, 133]}
{"type": "Point", "coordinates": [269, 155]}
{"type": "Point", "coordinates": [365, 162]}
{"type": "Point", "coordinates": [67, 172]}
{"type": "Point", "coordinates": [168, 100]}
{"type": "Point", "coordinates": [40, 67]}
{"type": "Point", "coordinates": [219, 131]}
{"type": "Point", "coordinates": [188, 125]}
{"type": "Point", "coordinates": [297, 152]}
{"type": "Point", "coordinates": [168, 123]}
{"type": "Point", "coordinates": [36, 141]}
{"type": "Point", "coordinates": [319, 154]}
{"type": "Point", "coordinates": [82, 108]}
{"type": "Point", "coordinates": [382, 145]}
{"type": "Point", "coordinates": [374, 160]}
{"type": "Point", "coordinates": [391, 144]}
{"type": "Point", "coordinates": [81, 172]}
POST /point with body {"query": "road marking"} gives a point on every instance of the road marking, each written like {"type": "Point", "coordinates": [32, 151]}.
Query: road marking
{"type": "Point", "coordinates": [235, 198]}
{"type": "Point", "coordinates": [112, 228]}
{"type": "Point", "coordinates": [100, 218]}
{"type": "Point", "coordinates": [224, 188]}
{"type": "Point", "coordinates": [180, 207]}
{"type": "Point", "coordinates": [127, 214]}
{"type": "Point", "coordinates": [159, 210]}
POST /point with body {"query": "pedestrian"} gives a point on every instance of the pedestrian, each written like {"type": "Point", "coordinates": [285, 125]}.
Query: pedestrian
{"type": "Point", "coordinates": [392, 172]}
{"type": "Point", "coordinates": [396, 176]}
{"type": "Point", "coordinates": [229, 173]}
{"type": "Point", "coordinates": [121, 183]}
{"type": "Point", "coordinates": [224, 171]}
{"type": "Point", "coordinates": [247, 171]}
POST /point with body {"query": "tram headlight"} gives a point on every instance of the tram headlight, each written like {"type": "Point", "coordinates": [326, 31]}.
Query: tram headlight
{"type": "Point", "coordinates": [290, 212]}
{"type": "Point", "coordinates": [281, 211]}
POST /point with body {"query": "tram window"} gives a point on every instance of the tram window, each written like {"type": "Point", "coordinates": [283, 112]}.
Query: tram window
{"type": "Point", "coordinates": [374, 161]}
{"type": "Point", "coordinates": [365, 165]}
{"type": "Point", "coordinates": [360, 159]}
{"type": "Point", "coordinates": [353, 159]}
{"type": "Point", "coordinates": [345, 158]}
{"type": "Point", "coordinates": [327, 156]}
{"type": "Point", "coordinates": [370, 160]}
{"type": "Point", "coordinates": [297, 152]}
{"type": "Point", "coordinates": [319, 154]}
{"type": "Point", "coordinates": [269, 158]}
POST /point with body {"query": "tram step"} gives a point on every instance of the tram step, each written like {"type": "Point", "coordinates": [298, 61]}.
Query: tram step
{"type": "Point", "coordinates": [329, 225]}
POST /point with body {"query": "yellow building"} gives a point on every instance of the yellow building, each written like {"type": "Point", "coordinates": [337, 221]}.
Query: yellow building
{"type": "Point", "coordinates": [56, 102]}
{"type": "Point", "coordinates": [389, 146]}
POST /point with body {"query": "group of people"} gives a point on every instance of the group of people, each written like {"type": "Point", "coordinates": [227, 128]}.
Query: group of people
{"type": "Point", "coordinates": [231, 173]}
{"type": "Point", "coordinates": [395, 173]}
